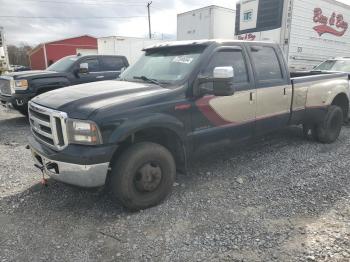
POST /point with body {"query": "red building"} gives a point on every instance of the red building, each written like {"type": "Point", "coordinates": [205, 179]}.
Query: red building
{"type": "Point", "coordinates": [45, 54]}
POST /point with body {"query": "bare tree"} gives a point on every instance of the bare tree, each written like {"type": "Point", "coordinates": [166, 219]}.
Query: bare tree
{"type": "Point", "coordinates": [18, 55]}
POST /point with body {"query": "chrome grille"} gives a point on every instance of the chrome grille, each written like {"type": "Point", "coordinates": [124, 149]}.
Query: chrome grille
{"type": "Point", "coordinates": [48, 126]}
{"type": "Point", "coordinates": [5, 87]}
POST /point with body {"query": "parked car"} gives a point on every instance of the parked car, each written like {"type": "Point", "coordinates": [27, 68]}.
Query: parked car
{"type": "Point", "coordinates": [134, 134]}
{"type": "Point", "coordinates": [340, 64]}
{"type": "Point", "coordinates": [17, 88]}
{"type": "Point", "coordinates": [19, 68]}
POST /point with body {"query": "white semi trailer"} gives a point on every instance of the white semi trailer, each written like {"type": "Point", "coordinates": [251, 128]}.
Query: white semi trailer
{"type": "Point", "coordinates": [206, 23]}
{"type": "Point", "coordinates": [131, 47]}
{"type": "Point", "coordinates": [308, 31]}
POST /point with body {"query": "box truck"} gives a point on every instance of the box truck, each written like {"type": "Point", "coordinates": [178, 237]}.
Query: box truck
{"type": "Point", "coordinates": [130, 47]}
{"type": "Point", "coordinates": [308, 31]}
{"type": "Point", "coordinates": [206, 23]}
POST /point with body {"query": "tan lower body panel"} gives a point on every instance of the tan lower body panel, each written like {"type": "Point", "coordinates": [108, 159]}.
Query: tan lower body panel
{"type": "Point", "coordinates": [273, 101]}
{"type": "Point", "coordinates": [237, 108]}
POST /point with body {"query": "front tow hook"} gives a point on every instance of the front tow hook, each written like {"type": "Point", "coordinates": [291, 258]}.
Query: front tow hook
{"type": "Point", "coordinates": [43, 179]}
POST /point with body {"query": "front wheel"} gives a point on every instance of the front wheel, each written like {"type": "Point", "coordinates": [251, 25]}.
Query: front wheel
{"type": "Point", "coordinates": [143, 175]}
{"type": "Point", "coordinates": [329, 129]}
{"type": "Point", "coordinates": [22, 109]}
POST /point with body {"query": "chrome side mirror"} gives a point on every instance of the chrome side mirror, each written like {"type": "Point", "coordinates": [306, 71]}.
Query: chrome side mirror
{"type": "Point", "coordinates": [84, 68]}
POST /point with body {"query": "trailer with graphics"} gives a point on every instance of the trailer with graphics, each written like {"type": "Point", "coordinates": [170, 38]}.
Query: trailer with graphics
{"type": "Point", "coordinates": [308, 31]}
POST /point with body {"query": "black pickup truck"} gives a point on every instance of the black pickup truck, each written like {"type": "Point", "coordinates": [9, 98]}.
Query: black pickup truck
{"type": "Point", "coordinates": [134, 133]}
{"type": "Point", "coordinates": [17, 88]}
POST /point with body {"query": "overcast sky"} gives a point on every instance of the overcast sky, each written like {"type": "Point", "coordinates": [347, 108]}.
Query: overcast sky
{"type": "Point", "coordinates": [56, 19]}
{"type": "Point", "coordinates": [15, 17]}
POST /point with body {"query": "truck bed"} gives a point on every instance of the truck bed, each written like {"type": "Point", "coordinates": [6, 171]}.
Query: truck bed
{"type": "Point", "coordinates": [311, 93]}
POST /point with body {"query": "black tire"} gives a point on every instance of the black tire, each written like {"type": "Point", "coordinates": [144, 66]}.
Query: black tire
{"type": "Point", "coordinates": [22, 109]}
{"type": "Point", "coordinates": [328, 131]}
{"type": "Point", "coordinates": [135, 176]}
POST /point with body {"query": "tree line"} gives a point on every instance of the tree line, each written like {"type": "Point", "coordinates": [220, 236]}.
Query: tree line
{"type": "Point", "coordinates": [18, 55]}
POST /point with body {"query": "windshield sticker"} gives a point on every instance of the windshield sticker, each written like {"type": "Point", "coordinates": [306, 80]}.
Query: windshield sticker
{"type": "Point", "coordinates": [183, 60]}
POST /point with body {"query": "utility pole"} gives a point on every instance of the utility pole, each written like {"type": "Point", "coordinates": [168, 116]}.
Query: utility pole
{"type": "Point", "coordinates": [149, 20]}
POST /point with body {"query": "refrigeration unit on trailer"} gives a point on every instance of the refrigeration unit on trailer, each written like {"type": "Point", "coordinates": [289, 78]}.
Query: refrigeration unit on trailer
{"type": "Point", "coordinates": [206, 23]}
{"type": "Point", "coordinates": [130, 47]}
{"type": "Point", "coordinates": [308, 31]}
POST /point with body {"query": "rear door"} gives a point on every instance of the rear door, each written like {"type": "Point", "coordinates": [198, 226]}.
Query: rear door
{"type": "Point", "coordinates": [274, 91]}
{"type": "Point", "coordinates": [111, 66]}
{"type": "Point", "coordinates": [222, 117]}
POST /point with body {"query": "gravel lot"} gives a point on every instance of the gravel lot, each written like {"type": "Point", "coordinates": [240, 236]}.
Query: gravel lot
{"type": "Point", "coordinates": [280, 198]}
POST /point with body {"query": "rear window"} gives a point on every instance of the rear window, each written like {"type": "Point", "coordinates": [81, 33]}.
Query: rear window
{"type": "Point", "coordinates": [112, 63]}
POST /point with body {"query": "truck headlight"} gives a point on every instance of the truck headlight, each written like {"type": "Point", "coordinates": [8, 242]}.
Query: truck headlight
{"type": "Point", "coordinates": [12, 86]}
{"type": "Point", "coordinates": [83, 132]}
{"type": "Point", "coordinates": [21, 84]}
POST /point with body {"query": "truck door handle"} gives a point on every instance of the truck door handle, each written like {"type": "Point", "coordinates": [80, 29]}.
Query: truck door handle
{"type": "Point", "coordinates": [284, 91]}
{"type": "Point", "coordinates": [99, 77]}
{"type": "Point", "coordinates": [251, 96]}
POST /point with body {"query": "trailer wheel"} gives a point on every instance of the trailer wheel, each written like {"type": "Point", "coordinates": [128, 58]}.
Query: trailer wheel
{"type": "Point", "coordinates": [328, 131]}
{"type": "Point", "coordinates": [143, 175]}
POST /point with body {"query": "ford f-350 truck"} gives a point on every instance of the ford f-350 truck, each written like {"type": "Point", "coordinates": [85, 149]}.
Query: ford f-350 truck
{"type": "Point", "coordinates": [134, 133]}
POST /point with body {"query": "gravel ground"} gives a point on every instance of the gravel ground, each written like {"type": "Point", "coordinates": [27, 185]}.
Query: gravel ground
{"type": "Point", "coordinates": [280, 198]}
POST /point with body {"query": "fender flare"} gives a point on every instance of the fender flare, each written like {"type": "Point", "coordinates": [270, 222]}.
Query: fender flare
{"type": "Point", "coordinates": [152, 120]}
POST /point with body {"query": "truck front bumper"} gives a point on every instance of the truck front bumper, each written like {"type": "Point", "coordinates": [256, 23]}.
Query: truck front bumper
{"type": "Point", "coordinates": [73, 174]}
{"type": "Point", "coordinates": [87, 174]}
{"type": "Point", "coordinates": [15, 100]}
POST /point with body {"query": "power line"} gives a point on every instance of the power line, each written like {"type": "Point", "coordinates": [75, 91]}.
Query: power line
{"type": "Point", "coordinates": [70, 17]}
{"type": "Point", "coordinates": [88, 2]}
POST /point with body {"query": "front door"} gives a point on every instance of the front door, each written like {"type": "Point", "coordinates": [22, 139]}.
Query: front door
{"type": "Point", "coordinates": [222, 117]}
{"type": "Point", "coordinates": [94, 73]}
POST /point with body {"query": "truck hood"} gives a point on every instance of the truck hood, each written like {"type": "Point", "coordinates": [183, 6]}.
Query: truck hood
{"type": "Point", "coordinates": [80, 101]}
{"type": "Point", "coordinates": [32, 74]}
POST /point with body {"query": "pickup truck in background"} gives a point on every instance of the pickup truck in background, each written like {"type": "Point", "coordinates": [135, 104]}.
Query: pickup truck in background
{"type": "Point", "coordinates": [134, 133]}
{"type": "Point", "coordinates": [17, 88]}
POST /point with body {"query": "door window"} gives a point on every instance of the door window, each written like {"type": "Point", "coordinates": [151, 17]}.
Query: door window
{"type": "Point", "coordinates": [267, 65]}
{"type": "Point", "coordinates": [112, 63]}
{"type": "Point", "coordinates": [233, 58]}
{"type": "Point", "coordinates": [94, 65]}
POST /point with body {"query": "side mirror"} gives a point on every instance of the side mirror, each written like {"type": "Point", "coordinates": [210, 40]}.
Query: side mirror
{"type": "Point", "coordinates": [222, 82]}
{"type": "Point", "coordinates": [83, 68]}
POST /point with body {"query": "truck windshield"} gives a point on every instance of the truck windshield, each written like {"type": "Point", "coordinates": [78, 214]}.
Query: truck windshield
{"type": "Point", "coordinates": [334, 65]}
{"type": "Point", "coordinates": [62, 65]}
{"type": "Point", "coordinates": [167, 65]}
